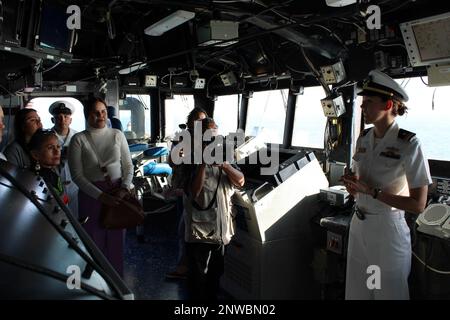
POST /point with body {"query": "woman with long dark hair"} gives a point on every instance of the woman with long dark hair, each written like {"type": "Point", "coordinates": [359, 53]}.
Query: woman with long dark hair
{"type": "Point", "coordinates": [26, 123]}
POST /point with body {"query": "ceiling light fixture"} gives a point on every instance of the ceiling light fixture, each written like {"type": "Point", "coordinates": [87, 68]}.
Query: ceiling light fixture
{"type": "Point", "coordinates": [339, 3]}
{"type": "Point", "coordinates": [169, 22]}
{"type": "Point", "coordinates": [132, 68]}
{"type": "Point", "coordinates": [217, 32]}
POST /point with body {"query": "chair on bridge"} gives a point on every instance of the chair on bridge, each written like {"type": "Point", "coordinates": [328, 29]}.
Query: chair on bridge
{"type": "Point", "coordinates": [151, 178]}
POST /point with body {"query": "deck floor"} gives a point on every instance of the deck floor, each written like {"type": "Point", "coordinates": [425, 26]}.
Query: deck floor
{"type": "Point", "coordinates": [146, 264]}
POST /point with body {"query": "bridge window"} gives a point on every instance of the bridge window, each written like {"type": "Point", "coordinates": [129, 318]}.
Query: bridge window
{"type": "Point", "coordinates": [177, 110]}
{"type": "Point", "coordinates": [226, 113]}
{"type": "Point", "coordinates": [428, 114]}
{"type": "Point", "coordinates": [134, 113]}
{"type": "Point", "coordinates": [310, 122]}
{"type": "Point", "coordinates": [41, 105]}
{"type": "Point", "coordinates": [267, 114]}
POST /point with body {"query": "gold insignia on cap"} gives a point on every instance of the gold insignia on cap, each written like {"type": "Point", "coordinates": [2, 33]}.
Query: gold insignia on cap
{"type": "Point", "coordinates": [388, 93]}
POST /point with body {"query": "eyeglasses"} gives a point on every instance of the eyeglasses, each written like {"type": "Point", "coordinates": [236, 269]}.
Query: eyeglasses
{"type": "Point", "coordinates": [39, 136]}
{"type": "Point", "coordinates": [47, 131]}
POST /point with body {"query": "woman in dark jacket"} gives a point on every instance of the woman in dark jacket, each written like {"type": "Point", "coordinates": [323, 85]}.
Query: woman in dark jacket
{"type": "Point", "coordinates": [45, 154]}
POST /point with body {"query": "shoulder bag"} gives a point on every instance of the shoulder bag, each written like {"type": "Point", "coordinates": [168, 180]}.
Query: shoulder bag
{"type": "Point", "coordinates": [129, 213]}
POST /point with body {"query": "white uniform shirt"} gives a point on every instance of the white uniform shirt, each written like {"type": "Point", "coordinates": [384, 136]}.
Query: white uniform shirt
{"type": "Point", "coordinates": [64, 142]}
{"type": "Point", "coordinates": [395, 165]}
{"type": "Point", "coordinates": [69, 185]}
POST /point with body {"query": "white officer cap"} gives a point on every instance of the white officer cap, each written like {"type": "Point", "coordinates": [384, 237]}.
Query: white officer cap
{"type": "Point", "coordinates": [380, 84]}
{"type": "Point", "coordinates": [58, 107]}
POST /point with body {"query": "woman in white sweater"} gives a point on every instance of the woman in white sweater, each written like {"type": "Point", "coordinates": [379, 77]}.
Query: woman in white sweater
{"type": "Point", "coordinates": [112, 148]}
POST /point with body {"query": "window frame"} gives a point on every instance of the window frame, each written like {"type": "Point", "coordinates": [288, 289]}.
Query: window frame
{"type": "Point", "coordinates": [249, 107]}
{"type": "Point", "coordinates": [238, 107]}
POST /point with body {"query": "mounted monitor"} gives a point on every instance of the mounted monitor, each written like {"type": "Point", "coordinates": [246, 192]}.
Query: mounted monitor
{"type": "Point", "coordinates": [52, 35]}
{"type": "Point", "coordinates": [11, 22]}
{"type": "Point", "coordinates": [426, 40]}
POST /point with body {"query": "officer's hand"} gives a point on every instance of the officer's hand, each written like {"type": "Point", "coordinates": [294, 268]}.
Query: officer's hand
{"type": "Point", "coordinates": [354, 185]}
{"type": "Point", "coordinates": [347, 179]}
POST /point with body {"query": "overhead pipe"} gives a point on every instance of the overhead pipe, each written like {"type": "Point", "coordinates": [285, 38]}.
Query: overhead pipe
{"type": "Point", "coordinates": [342, 13]}
{"type": "Point", "coordinates": [325, 48]}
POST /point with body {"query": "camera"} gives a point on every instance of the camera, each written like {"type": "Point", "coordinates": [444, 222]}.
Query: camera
{"type": "Point", "coordinates": [218, 150]}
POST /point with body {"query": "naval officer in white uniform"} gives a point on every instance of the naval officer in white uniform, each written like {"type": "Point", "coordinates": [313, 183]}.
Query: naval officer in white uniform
{"type": "Point", "coordinates": [61, 112]}
{"type": "Point", "coordinates": [390, 176]}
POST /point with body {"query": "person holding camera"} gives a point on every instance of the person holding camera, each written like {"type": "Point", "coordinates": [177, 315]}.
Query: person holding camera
{"type": "Point", "coordinates": [180, 175]}
{"type": "Point", "coordinates": [209, 222]}
{"type": "Point", "coordinates": [61, 112]}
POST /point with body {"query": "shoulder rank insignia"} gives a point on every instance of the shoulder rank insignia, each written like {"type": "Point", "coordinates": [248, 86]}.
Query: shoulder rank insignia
{"type": "Point", "coordinates": [365, 131]}
{"type": "Point", "coordinates": [405, 135]}
{"type": "Point", "coordinates": [390, 154]}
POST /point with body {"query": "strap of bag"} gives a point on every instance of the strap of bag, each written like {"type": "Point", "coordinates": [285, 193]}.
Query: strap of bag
{"type": "Point", "coordinates": [100, 162]}
{"type": "Point", "coordinates": [213, 200]}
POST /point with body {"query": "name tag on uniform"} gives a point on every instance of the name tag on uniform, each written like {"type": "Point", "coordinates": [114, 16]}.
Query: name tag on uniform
{"type": "Point", "coordinates": [361, 150]}
{"type": "Point", "coordinates": [393, 149]}
{"type": "Point", "coordinates": [390, 154]}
